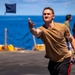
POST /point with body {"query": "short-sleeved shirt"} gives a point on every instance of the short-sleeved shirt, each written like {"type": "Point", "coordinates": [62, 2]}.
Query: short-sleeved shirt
{"type": "Point", "coordinates": [67, 24]}
{"type": "Point", "coordinates": [67, 42]}
{"type": "Point", "coordinates": [55, 42]}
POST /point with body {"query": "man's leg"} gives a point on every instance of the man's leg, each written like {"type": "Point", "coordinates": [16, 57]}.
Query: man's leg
{"type": "Point", "coordinates": [65, 67]}
{"type": "Point", "coordinates": [60, 68]}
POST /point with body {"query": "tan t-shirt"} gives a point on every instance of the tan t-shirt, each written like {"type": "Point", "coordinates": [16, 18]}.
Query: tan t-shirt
{"type": "Point", "coordinates": [55, 43]}
{"type": "Point", "coordinates": [67, 24]}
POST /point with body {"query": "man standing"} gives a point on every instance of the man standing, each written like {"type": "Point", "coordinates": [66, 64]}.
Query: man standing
{"type": "Point", "coordinates": [53, 36]}
{"type": "Point", "coordinates": [67, 23]}
{"type": "Point", "coordinates": [68, 19]}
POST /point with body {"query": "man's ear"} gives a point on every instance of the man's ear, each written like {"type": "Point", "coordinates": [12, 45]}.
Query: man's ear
{"type": "Point", "coordinates": [54, 17]}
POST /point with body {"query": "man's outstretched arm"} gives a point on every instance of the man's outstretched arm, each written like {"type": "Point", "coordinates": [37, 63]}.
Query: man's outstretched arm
{"type": "Point", "coordinates": [36, 32]}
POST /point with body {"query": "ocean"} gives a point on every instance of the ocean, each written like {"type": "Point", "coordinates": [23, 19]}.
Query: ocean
{"type": "Point", "coordinates": [14, 30]}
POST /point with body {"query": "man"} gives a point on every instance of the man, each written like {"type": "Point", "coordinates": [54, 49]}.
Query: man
{"type": "Point", "coordinates": [68, 20]}
{"type": "Point", "coordinates": [67, 23]}
{"type": "Point", "coordinates": [53, 36]}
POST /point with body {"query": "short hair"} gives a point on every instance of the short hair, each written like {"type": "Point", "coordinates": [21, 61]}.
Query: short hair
{"type": "Point", "coordinates": [68, 16]}
{"type": "Point", "coordinates": [49, 9]}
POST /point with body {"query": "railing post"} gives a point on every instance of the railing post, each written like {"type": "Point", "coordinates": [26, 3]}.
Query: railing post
{"type": "Point", "coordinates": [5, 39]}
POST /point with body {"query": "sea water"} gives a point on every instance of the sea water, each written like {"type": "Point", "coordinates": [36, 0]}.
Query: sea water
{"type": "Point", "coordinates": [14, 29]}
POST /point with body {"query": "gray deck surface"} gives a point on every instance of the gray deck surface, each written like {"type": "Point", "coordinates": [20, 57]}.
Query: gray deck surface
{"type": "Point", "coordinates": [25, 63]}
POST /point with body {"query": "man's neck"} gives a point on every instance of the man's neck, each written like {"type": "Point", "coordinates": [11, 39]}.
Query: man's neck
{"type": "Point", "coordinates": [50, 24]}
{"type": "Point", "coordinates": [68, 21]}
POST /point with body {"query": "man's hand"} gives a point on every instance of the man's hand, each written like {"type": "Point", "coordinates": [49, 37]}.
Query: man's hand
{"type": "Point", "coordinates": [31, 24]}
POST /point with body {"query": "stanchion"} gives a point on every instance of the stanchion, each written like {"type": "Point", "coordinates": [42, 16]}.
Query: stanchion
{"type": "Point", "coordinates": [5, 39]}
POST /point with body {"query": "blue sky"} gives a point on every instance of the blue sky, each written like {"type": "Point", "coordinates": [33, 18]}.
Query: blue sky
{"type": "Point", "coordinates": [35, 7]}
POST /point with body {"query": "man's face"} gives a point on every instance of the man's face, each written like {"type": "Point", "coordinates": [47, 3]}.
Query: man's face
{"type": "Point", "coordinates": [70, 18]}
{"type": "Point", "coordinates": [48, 15]}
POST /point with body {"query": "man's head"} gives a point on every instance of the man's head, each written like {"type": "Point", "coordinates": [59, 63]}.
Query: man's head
{"type": "Point", "coordinates": [68, 17]}
{"type": "Point", "coordinates": [48, 14]}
